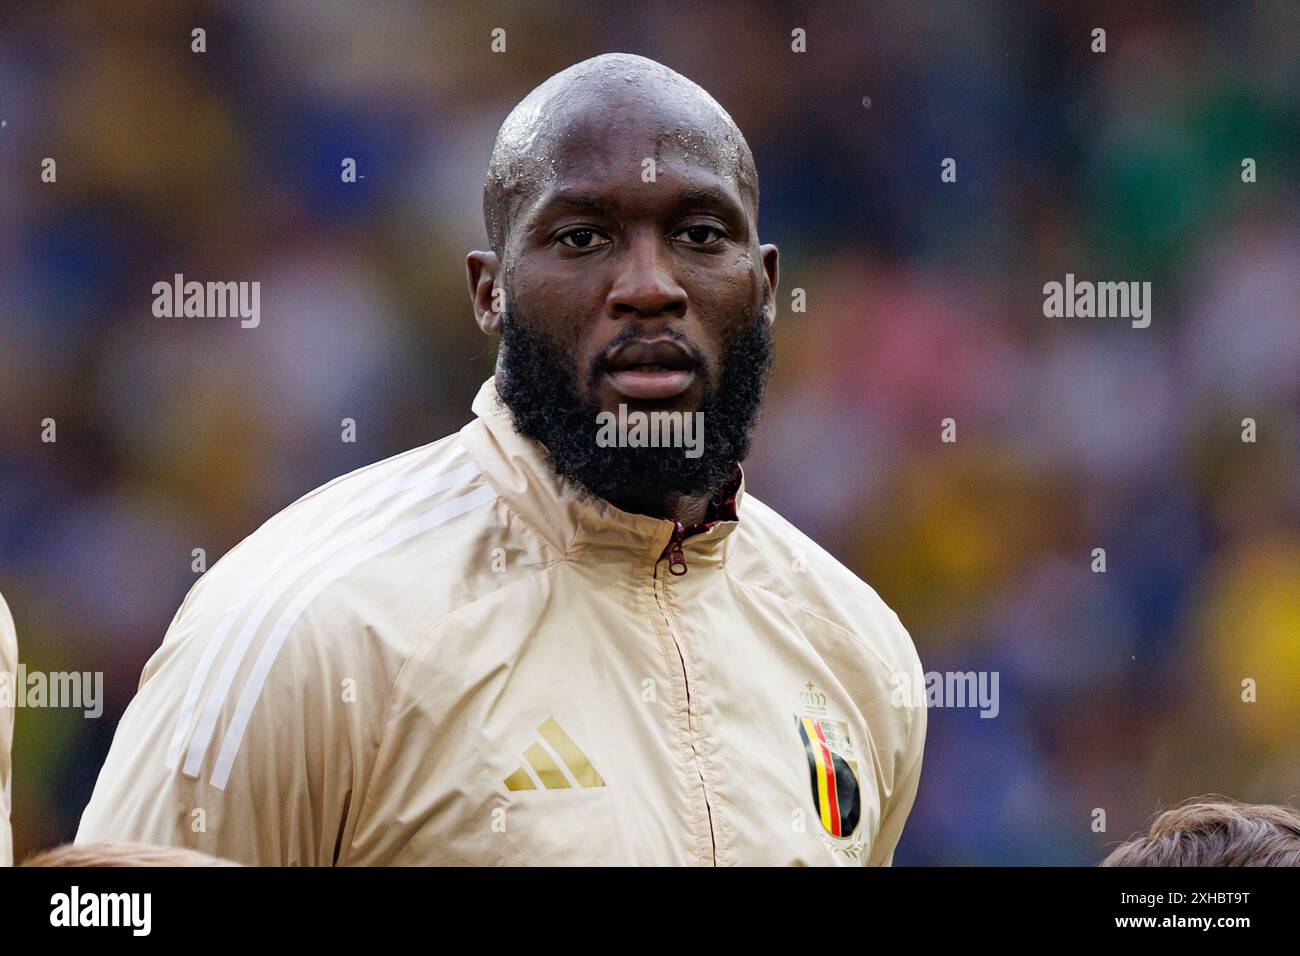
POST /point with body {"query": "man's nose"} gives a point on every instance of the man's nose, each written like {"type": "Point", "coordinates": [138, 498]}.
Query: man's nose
{"type": "Point", "coordinates": [644, 285]}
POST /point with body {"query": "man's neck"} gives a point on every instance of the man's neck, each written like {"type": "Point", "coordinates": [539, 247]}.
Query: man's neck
{"type": "Point", "coordinates": [686, 509]}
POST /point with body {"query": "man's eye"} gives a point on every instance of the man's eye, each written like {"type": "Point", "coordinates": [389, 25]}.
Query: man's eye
{"type": "Point", "coordinates": [702, 235]}
{"type": "Point", "coordinates": [582, 239]}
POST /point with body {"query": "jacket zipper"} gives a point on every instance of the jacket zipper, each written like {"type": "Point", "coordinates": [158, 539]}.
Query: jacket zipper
{"type": "Point", "coordinates": [674, 554]}
{"type": "Point", "coordinates": [673, 550]}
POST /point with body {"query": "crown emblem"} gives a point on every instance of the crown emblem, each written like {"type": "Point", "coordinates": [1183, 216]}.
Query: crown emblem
{"type": "Point", "coordinates": [813, 698]}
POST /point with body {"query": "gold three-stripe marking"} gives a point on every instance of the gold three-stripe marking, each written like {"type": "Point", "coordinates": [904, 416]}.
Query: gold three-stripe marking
{"type": "Point", "coordinates": [547, 771]}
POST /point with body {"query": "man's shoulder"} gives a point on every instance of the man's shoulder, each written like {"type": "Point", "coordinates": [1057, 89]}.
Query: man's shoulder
{"type": "Point", "coordinates": [424, 472]}
{"type": "Point", "coordinates": [8, 639]}
{"type": "Point", "coordinates": [357, 566]}
{"type": "Point", "coordinates": [776, 556]}
{"type": "Point", "coordinates": [8, 664]}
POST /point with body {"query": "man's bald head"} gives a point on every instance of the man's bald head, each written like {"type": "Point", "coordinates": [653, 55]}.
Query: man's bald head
{"type": "Point", "coordinates": [611, 288]}
{"type": "Point", "coordinates": [607, 96]}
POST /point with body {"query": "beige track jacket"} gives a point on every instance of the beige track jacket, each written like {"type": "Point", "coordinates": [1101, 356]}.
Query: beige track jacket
{"type": "Point", "coordinates": [449, 657]}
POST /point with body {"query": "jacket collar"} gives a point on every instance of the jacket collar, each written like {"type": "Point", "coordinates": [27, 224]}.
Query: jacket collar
{"type": "Point", "coordinates": [570, 521]}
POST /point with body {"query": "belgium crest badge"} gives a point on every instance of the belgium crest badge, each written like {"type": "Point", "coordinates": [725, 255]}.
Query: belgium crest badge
{"type": "Point", "coordinates": [832, 765]}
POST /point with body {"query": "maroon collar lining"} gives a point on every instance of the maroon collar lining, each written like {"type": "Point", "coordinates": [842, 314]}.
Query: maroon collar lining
{"type": "Point", "coordinates": [720, 510]}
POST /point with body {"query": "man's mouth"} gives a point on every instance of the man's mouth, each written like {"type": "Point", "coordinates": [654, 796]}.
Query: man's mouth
{"type": "Point", "coordinates": [651, 370]}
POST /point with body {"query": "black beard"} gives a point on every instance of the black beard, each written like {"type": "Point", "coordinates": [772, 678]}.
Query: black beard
{"type": "Point", "coordinates": [537, 381]}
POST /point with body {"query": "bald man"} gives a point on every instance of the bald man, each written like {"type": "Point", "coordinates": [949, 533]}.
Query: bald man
{"type": "Point", "coordinates": [566, 634]}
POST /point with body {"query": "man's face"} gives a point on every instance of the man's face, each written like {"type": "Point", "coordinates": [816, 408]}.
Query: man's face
{"type": "Point", "coordinates": [602, 258]}
{"type": "Point", "coordinates": [653, 295]}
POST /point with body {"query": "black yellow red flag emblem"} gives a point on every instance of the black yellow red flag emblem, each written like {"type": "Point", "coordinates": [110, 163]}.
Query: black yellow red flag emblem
{"type": "Point", "coordinates": [833, 775]}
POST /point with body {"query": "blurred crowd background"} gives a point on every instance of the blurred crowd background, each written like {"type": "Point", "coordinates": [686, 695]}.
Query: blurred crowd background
{"type": "Point", "coordinates": [1119, 690]}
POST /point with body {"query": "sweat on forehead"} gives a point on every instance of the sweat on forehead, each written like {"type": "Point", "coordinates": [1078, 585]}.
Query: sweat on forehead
{"type": "Point", "coordinates": [608, 95]}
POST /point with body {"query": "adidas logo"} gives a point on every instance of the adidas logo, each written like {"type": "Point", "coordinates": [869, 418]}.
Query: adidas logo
{"type": "Point", "coordinates": [554, 763]}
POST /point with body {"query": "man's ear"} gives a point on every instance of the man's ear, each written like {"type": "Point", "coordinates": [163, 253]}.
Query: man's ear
{"type": "Point", "coordinates": [489, 303]}
{"type": "Point", "coordinates": [771, 274]}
